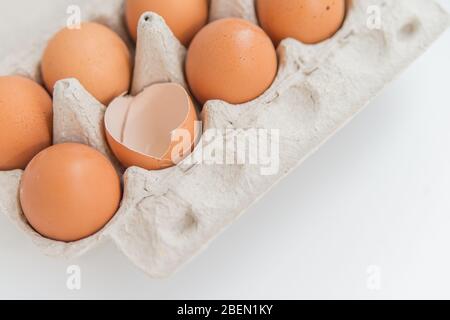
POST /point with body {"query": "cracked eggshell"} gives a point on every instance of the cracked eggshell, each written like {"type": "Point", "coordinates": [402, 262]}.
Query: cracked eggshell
{"type": "Point", "coordinates": [140, 130]}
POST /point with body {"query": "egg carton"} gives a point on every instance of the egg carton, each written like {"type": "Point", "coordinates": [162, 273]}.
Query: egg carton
{"type": "Point", "coordinates": [167, 217]}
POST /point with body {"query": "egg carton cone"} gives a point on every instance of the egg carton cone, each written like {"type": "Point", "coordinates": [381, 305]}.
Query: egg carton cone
{"type": "Point", "coordinates": [167, 217]}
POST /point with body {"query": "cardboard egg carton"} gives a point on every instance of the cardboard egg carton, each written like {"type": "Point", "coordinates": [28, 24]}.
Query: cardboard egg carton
{"type": "Point", "coordinates": [167, 217]}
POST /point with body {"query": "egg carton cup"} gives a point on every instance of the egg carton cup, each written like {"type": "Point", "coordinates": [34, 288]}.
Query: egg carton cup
{"type": "Point", "coordinates": [167, 217]}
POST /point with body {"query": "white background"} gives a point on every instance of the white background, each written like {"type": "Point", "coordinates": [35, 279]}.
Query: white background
{"type": "Point", "coordinates": [377, 194]}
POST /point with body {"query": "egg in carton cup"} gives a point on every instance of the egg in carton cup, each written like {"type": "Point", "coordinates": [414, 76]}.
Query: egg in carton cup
{"type": "Point", "coordinates": [168, 216]}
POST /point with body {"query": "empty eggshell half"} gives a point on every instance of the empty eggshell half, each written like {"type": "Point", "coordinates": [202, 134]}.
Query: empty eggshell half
{"type": "Point", "coordinates": [153, 130]}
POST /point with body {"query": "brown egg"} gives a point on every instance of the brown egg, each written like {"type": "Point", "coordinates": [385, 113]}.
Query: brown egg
{"type": "Point", "coordinates": [69, 192]}
{"type": "Point", "coordinates": [309, 21]}
{"type": "Point", "coordinates": [26, 117]}
{"type": "Point", "coordinates": [154, 130]}
{"type": "Point", "coordinates": [231, 60]}
{"type": "Point", "coordinates": [185, 18]}
{"type": "Point", "coordinates": [94, 55]}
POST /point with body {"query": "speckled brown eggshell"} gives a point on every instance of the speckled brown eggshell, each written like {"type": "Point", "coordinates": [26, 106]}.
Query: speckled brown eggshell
{"type": "Point", "coordinates": [309, 21]}
{"type": "Point", "coordinates": [69, 192]}
{"type": "Point", "coordinates": [232, 60]}
{"type": "Point", "coordinates": [26, 116]}
{"type": "Point", "coordinates": [93, 54]}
